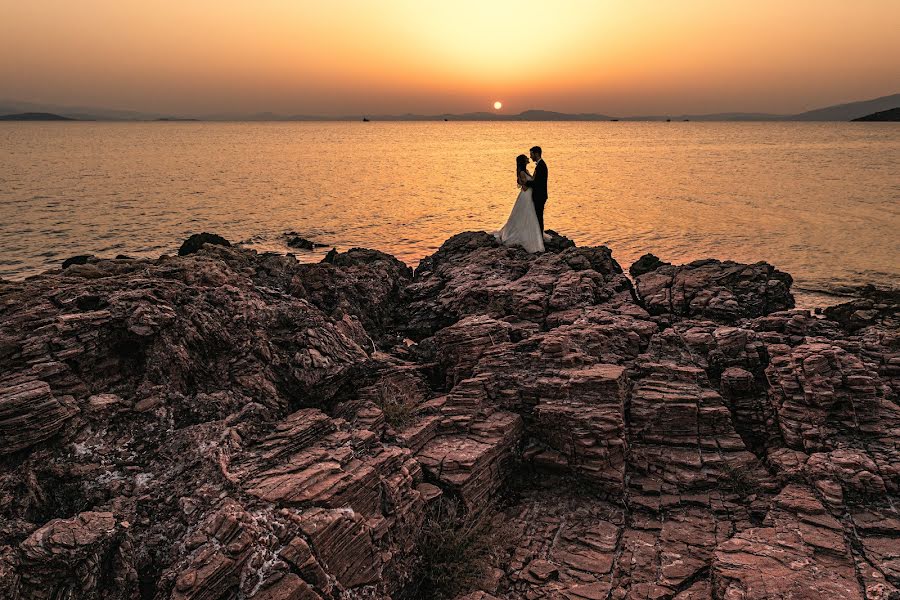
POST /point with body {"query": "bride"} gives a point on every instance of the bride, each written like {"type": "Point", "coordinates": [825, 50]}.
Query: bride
{"type": "Point", "coordinates": [522, 228]}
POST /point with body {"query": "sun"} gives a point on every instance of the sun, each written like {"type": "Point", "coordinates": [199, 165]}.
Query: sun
{"type": "Point", "coordinates": [498, 105]}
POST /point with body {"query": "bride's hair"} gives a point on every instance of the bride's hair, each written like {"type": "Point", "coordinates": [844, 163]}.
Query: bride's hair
{"type": "Point", "coordinates": [521, 163]}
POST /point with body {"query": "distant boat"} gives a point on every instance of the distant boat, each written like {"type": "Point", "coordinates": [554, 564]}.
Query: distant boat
{"type": "Point", "coordinates": [668, 120]}
{"type": "Point", "coordinates": [446, 119]}
{"type": "Point", "coordinates": [686, 120]}
{"type": "Point", "coordinates": [365, 120]}
{"type": "Point", "coordinates": [614, 120]}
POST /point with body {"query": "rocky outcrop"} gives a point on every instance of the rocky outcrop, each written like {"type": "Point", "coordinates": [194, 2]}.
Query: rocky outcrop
{"type": "Point", "coordinates": [295, 240]}
{"type": "Point", "coordinates": [872, 306]}
{"type": "Point", "coordinates": [472, 273]}
{"type": "Point", "coordinates": [715, 290]}
{"type": "Point", "coordinates": [225, 424]}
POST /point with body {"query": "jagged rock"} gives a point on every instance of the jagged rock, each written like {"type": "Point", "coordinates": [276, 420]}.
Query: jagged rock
{"type": "Point", "coordinates": [874, 306]}
{"type": "Point", "coordinates": [645, 264]}
{"type": "Point", "coordinates": [716, 290]}
{"type": "Point", "coordinates": [301, 243]}
{"type": "Point", "coordinates": [294, 240]}
{"type": "Point", "coordinates": [197, 240]}
{"type": "Point", "coordinates": [473, 464]}
{"type": "Point", "coordinates": [557, 241]}
{"type": "Point", "coordinates": [29, 414]}
{"type": "Point", "coordinates": [753, 416]}
{"type": "Point", "coordinates": [582, 424]}
{"type": "Point", "coordinates": [473, 274]}
{"type": "Point", "coordinates": [801, 553]}
{"type": "Point", "coordinates": [822, 394]}
{"type": "Point", "coordinates": [854, 470]}
{"type": "Point", "coordinates": [70, 557]}
{"type": "Point", "coordinates": [458, 348]}
{"type": "Point", "coordinates": [363, 283]}
{"type": "Point", "coordinates": [232, 424]}
{"type": "Point", "coordinates": [682, 440]}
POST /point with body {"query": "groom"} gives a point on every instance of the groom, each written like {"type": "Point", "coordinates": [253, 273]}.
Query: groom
{"type": "Point", "coordinates": [539, 185]}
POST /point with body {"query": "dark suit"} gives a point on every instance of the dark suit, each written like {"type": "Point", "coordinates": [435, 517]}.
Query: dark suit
{"type": "Point", "coordinates": [539, 190]}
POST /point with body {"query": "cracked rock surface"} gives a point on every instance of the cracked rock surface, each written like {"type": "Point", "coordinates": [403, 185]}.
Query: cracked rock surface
{"type": "Point", "coordinates": [227, 424]}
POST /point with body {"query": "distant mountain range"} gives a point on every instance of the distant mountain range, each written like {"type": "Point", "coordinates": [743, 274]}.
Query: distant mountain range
{"type": "Point", "coordinates": [840, 112]}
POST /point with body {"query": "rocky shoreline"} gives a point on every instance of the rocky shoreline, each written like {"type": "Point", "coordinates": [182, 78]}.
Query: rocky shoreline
{"type": "Point", "coordinates": [494, 424]}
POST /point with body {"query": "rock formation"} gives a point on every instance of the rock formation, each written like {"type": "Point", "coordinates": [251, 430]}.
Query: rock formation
{"type": "Point", "coordinates": [225, 424]}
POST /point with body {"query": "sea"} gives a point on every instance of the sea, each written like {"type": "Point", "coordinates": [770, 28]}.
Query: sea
{"type": "Point", "coordinates": [818, 200]}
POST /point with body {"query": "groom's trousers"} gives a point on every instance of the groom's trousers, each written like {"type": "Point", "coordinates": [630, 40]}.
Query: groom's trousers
{"type": "Point", "coordinates": [539, 209]}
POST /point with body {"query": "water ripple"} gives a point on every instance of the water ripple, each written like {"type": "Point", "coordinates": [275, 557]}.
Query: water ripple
{"type": "Point", "coordinates": [819, 200]}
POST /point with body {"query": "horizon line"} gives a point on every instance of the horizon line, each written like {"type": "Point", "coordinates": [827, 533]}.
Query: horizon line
{"type": "Point", "coordinates": [84, 113]}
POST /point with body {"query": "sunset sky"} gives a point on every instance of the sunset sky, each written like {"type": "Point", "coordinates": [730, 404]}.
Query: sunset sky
{"type": "Point", "coordinates": [334, 57]}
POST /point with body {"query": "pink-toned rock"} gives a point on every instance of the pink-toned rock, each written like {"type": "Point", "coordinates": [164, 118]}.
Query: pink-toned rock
{"type": "Point", "coordinates": [583, 421]}
{"type": "Point", "coordinates": [234, 425]}
{"type": "Point", "coordinates": [801, 552]}
{"type": "Point", "coordinates": [716, 290]}
{"type": "Point", "coordinates": [472, 274]}
{"type": "Point", "coordinates": [72, 556]}
{"type": "Point", "coordinates": [854, 470]}
{"type": "Point", "coordinates": [29, 414]}
{"type": "Point", "coordinates": [823, 394]}
{"type": "Point", "coordinates": [682, 437]}
{"type": "Point", "coordinates": [473, 463]}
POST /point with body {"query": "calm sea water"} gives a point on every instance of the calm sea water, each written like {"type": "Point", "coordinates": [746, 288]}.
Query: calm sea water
{"type": "Point", "coordinates": [819, 200]}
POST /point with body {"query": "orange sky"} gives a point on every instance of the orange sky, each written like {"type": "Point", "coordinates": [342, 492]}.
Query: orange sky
{"type": "Point", "coordinates": [619, 57]}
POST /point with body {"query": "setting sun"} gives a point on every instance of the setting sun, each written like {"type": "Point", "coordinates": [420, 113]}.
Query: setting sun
{"type": "Point", "coordinates": [498, 105]}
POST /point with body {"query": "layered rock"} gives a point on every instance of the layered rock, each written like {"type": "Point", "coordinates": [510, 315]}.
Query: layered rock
{"type": "Point", "coordinates": [716, 290]}
{"type": "Point", "coordinates": [30, 414]}
{"type": "Point", "coordinates": [83, 557]}
{"type": "Point", "coordinates": [226, 424]}
{"type": "Point", "coordinates": [872, 306]}
{"type": "Point", "coordinates": [800, 552]}
{"type": "Point", "coordinates": [474, 274]}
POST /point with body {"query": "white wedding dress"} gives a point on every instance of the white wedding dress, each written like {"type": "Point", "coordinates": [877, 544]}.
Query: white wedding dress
{"type": "Point", "coordinates": [522, 228]}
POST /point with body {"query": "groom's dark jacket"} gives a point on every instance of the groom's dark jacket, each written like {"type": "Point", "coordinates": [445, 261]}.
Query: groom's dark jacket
{"type": "Point", "coordinates": [539, 184]}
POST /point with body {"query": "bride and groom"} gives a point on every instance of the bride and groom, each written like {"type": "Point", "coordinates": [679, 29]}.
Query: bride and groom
{"type": "Point", "coordinates": [525, 226]}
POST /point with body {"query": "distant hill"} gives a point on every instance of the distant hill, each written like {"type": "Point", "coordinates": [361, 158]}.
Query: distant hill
{"type": "Point", "coordinates": [850, 111]}
{"type": "Point", "coordinates": [549, 115]}
{"type": "Point", "coordinates": [34, 116]}
{"type": "Point", "coordinates": [87, 113]}
{"type": "Point", "coordinates": [891, 114]}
